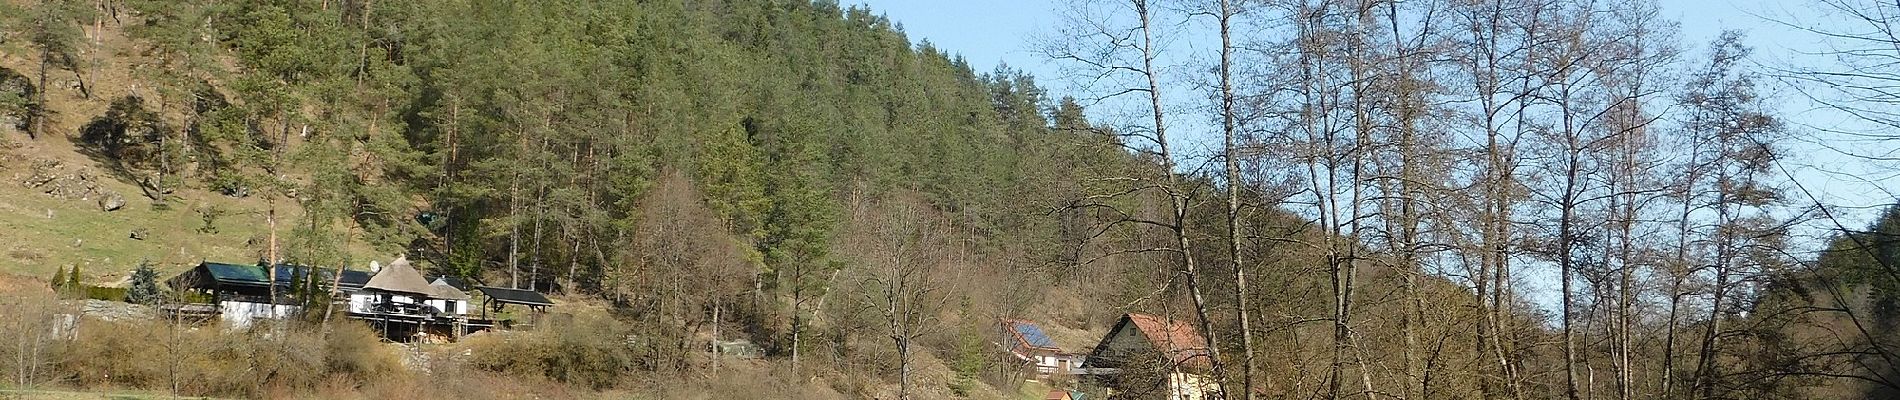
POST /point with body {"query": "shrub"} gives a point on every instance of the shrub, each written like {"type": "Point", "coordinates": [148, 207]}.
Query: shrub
{"type": "Point", "coordinates": [212, 362]}
{"type": "Point", "coordinates": [103, 293]}
{"type": "Point", "coordinates": [353, 350]}
{"type": "Point", "coordinates": [591, 352]}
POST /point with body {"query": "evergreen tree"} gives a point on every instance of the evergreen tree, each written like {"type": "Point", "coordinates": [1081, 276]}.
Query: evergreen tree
{"type": "Point", "coordinates": [58, 283]}
{"type": "Point", "coordinates": [72, 282]}
{"type": "Point", "coordinates": [144, 288]}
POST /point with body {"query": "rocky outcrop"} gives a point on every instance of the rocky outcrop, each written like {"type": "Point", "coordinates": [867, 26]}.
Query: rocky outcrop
{"type": "Point", "coordinates": [16, 106]}
{"type": "Point", "coordinates": [54, 178]}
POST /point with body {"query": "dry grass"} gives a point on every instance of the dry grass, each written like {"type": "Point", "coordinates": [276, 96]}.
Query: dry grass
{"type": "Point", "coordinates": [264, 362]}
{"type": "Point", "coordinates": [69, 395]}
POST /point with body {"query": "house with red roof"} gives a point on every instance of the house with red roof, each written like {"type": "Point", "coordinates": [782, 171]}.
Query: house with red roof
{"type": "Point", "coordinates": [1169, 355]}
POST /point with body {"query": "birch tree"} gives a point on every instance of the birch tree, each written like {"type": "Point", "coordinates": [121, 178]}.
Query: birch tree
{"type": "Point", "coordinates": [1119, 45]}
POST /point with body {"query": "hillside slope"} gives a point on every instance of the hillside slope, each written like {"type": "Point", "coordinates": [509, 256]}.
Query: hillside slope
{"type": "Point", "coordinates": [50, 201]}
{"type": "Point", "coordinates": [747, 167]}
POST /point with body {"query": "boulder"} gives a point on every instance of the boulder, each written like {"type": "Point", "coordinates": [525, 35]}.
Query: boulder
{"type": "Point", "coordinates": [111, 201]}
{"type": "Point", "coordinates": [140, 233]}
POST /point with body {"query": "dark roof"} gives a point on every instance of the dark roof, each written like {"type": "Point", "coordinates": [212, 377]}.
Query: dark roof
{"type": "Point", "coordinates": [217, 274]}
{"type": "Point", "coordinates": [515, 296]}
{"type": "Point", "coordinates": [353, 279]}
{"type": "Point", "coordinates": [1028, 333]}
{"type": "Point", "coordinates": [254, 275]}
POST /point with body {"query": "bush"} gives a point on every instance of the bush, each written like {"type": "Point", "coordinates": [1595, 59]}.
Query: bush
{"type": "Point", "coordinates": [353, 350]}
{"type": "Point", "coordinates": [103, 293]}
{"type": "Point", "coordinates": [212, 362]}
{"type": "Point", "coordinates": [591, 352]}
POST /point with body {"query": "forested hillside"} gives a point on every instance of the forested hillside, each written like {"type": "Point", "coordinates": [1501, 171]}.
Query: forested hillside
{"type": "Point", "coordinates": [1416, 200]}
{"type": "Point", "coordinates": [776, 170]}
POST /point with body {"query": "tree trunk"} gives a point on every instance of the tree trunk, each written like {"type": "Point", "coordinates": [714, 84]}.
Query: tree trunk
{"type": "Point", "coordinates": [1230, 131]}
{"type": "Point", "coordinates": [40, 106]}
{"type": "Point", "coordinates": [1177, 200]}
{"type": "Point", "coordinates": [270, 260]}
{"type": "Point", "coordinates": [514, 231]}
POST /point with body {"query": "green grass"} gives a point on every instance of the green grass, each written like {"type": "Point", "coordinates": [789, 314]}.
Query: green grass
{"type": "Point", "coordinates": [78, 233]}
{"type": "Point", "coordinates": [1032, 390]}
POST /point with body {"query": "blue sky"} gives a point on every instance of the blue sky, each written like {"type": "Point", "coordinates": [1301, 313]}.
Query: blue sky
{"type": "Point", "coordinates": [989, 32]}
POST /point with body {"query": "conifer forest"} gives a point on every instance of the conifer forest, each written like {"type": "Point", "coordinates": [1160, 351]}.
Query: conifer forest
{"type": "Point", "coordinates": [712, 199]}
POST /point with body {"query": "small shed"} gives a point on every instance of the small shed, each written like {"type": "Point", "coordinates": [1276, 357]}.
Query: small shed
{"type": "Point", "coordinates": [1064, 394]}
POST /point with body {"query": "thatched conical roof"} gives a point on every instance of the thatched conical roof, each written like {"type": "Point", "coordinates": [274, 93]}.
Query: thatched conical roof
{"type": "Point", "coordinates": [399, 277]}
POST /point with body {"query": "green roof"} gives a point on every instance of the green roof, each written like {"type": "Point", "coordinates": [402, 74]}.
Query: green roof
{"type": "Point", "coordinates": [238, 274]}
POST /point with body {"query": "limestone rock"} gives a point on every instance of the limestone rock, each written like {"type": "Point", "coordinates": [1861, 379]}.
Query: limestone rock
{"type": "Point", "coordinates": [111, 201]}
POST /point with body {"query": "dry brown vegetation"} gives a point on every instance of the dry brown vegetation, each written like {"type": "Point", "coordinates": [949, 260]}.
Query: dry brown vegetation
{"type": "Point", "coordinates": [589, 356]}
{"type": "Point", "coordinates": [206, 361]}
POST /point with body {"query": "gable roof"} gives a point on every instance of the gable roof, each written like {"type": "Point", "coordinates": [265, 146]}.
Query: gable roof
{"type": "Point", "coordinates": [452, 281]}
{"type": "Point", "coordinates": [444, 291]}
{"type": "Point", "coordinates": [1029, 334]}
{"type": "Point", "coordinates": [399, 277]}
{"type": "Point", "coordinates": [1178, 340]}
{"type": "Point", "coordinates": [1164, 334]}
{"type": "Point", "coordinates": [515, 296]}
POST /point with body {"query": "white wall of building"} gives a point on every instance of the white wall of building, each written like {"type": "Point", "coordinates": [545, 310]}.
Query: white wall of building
{"type": "Point", "coordinates": [361, 302]}
{"type": "Point", "coordinates": [459, 307]}
{"type": "Point", "coordinates": [240, 314]}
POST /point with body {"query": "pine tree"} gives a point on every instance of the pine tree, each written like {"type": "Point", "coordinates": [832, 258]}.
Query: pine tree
{"type": "Point", "coordinates": [144, 288]}
{"type": "Point", "coordinates": [72, 282]}
{"type": "Point", "coordinates": [58, 284]}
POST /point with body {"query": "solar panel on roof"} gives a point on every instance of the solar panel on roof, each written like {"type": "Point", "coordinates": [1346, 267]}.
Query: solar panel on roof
{"type": "Point", "coordinates": [1033, 335]}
